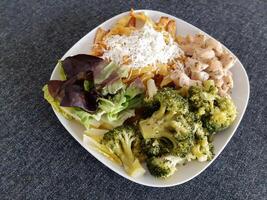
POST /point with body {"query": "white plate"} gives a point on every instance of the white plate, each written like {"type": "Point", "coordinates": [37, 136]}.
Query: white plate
{"type": "Point", "coordinates": [240, 95]}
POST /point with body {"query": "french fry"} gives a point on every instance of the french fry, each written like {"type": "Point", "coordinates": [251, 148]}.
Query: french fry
{"type": "Point", "coordinates": [132, 22]}
{"type": "Point", "coordinates": [134, 73]}
{"type": "Point", "coordinates": [123, 21]}
{"type": "Point", "coordinates": [100, 33]}
{"type": "Point", "coordinates": [97, 51]}
{"type": "Point", "coordinates": [162, 73]}
{"type": "Point", "coordinates": [163, 21]}
{"type": "Point", "coordinates": [165, 81]}
{"type": "Point", "coordinates": [171, 28]}
{"type": "Point", "coordinates": [139, 15]}
{"type": "Point", "coordinates": [123, 26]}
{"type": "Point", "coordinates": [99, 46]}
{"type": "Point", "coordinates": [145, 77]}
{"type": "Point", "coordinates": [142, 70]}
{"type": "Point", "coordinates": [120, 30]}
{"type": "Point", "coordinates": [141, 19]}
{"type": "Point", "coordinates": [130, 77]}
{"type": "Point", "coordinates": [162, 69]}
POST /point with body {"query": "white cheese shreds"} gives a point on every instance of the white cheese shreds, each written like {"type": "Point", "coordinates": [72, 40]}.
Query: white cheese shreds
{"type": "Point", "coordinates": [143, 47]}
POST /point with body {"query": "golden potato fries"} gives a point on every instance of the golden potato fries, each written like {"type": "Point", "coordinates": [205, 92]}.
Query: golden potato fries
{"type": "Point", "coordinates": [100, 33]}
{"type": "Point", "coordinates": [97, 50]}
{"type": "Point", "coordinates": [132, 22]}
{"type": "Point", "coordinates": [125, 26]}
{"type": "Point", "coordinates": [171, 28]}
{"type": "Point", "coordinates": [98, 46]}
{"type": "Point", "coordinates": [162, 69]}
{"type": "Point", "coordinates": [144, 73]}
{"type": "Point", "coordinates": [163, 21]}
{"type": "Point", "coordinates": [123, 22]}
{"type": "Point", "coordinates": [145, 77]}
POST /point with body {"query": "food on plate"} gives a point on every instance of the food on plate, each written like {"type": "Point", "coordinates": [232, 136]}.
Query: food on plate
{"type": "Point", "coordinates": [164, 166]}
{"type": "Point", "coordinates": [122, 142]}
{"type": "Point", "coordinates": [147, 96]}
{"type": "Point", "coordinates": [206, 59]}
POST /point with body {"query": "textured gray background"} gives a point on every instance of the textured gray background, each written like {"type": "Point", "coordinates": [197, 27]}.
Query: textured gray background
{"type": "Point", "coordinates": [40, 160]}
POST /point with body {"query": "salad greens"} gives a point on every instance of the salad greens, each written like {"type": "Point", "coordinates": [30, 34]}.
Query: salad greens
{"type": "Point", "coordinates": [128, 98]}
{"type": "Point", "coordinates": [113, 87]}
{"type": "Point", "coordinates": [171, 127]}
{"type": "Point", "coordinates": [77, 97]}
{"type": "Point", "coordinates": [85, 118]}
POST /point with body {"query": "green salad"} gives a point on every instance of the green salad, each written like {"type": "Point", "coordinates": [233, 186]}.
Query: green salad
{"type": "Point", "coordinates": [168, 128]}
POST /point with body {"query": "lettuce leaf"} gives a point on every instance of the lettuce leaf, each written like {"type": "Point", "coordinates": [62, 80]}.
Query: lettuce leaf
{"type": "Point", "coordinates": [105, 118]}
{"type": "Point", "coordinates": [104, 71]}
{"type": "Point", "coordinates": [74, 65]}
{"type": "Point", "coordinates": [125, 99]}
{"type": "Point", "coordinates": [62, 74]}
{"type": "Point", "coordinates": [85, 118]}
{"type": "Point", "coordinates": [88, 85]}
{"type": "Point", "coordinates": [83, 77]}
{"type": "Point", "coordinates": [113, 87]}
{"type": "Point", "coordinates": [116, 120]}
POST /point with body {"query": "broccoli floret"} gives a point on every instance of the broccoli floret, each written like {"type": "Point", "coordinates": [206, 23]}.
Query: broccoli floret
{"type": "Point", "coordinates": [121, 141]}
{"type": "Point", "coordinates": [137, 147]}
{"type": "Point", "coordinates": [172, 121]}
{"type": "Point", "coordinates": [201, 98]}
{"type": "Point", "coordinates": [222, 116]}
{"type": "Point", "coordinates": [156, 147]}
{"type": "Point", "coordinates": [203, 150]}
{"type": "Point", "coordinates": [216, 112]}
{"type": "Point", "coordinates": [209, 87]}
{"type": "Point", "coordinates": [171, 104]}
{"type": "Point", "coordinates": [183, 147]}
{"type": "Point", "coordinates": [171, 101]}
{"type": "Point", "coordinates": [163, 167]}
{"type": "Point", "coordinates": [185, 125]}
{"type": "Point", "coordinates": [154, 127]}
{"type": "Point", "coordinates": [149, 108]}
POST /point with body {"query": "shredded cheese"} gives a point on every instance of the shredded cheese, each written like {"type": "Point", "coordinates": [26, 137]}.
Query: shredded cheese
{"type": "Point", "coordinates": [143, 47]}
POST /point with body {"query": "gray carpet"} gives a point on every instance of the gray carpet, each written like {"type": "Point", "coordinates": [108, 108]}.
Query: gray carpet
{"type": "Point", "coordinates": [39, 158]}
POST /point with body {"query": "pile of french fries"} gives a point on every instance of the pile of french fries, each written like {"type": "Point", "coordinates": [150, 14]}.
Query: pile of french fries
{"type": "Point", "coordinates": [125, 26]}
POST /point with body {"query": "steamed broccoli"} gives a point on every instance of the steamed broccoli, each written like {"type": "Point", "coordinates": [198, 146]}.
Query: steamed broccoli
{"type": "Point", "coordinates": [216, 112]}
{"type": "Point", "coordinates": [163, 167]}
{"type": "Point", "coordinates": [222, 116]}
{"type": "Point", "coordinates": [156, 146]}
{"type": "Point", "coordinates": [203, 150]}
{"type": "Point", "coordinates": [149, 107]}
{"type": "Point", "coordinates": [172, 121]}
{"type": "Point", "coordinates": [171, 103]}
{"type": "Point", "coordinates": [137, 146]}
{"type": "Point", "coordinates": [201, 98]}
{"type": "Point", "coordinates": [121, 141]}
{"type": "Point", "coordinates": [183, 147]}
